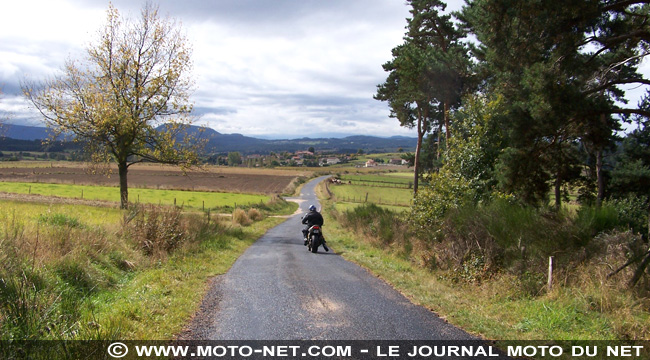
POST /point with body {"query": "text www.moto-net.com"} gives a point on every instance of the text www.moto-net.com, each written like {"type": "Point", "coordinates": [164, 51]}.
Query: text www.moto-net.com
{"type": "Point", "coordinates": [118, 350]}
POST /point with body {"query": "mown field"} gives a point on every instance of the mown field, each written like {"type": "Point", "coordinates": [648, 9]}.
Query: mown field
{"type": "Point", "coordinates": [193, 199]}
{"type": "Point", "coordinates": [390, 190]}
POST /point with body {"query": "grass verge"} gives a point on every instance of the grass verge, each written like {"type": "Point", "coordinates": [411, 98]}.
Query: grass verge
{"type": "Point", "coordinates": [157, 303]}
{"type": "Point", "coordinates": [497, 308]}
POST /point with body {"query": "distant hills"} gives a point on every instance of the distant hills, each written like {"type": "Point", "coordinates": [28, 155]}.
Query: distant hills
{"type": "Point", "coordinates": [21, 132]}
{"type": "Point", "coordinates": [223, 143]}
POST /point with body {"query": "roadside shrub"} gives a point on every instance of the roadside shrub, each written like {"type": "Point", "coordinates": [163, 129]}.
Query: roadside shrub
{"type": "Point", "coordinates": [255, 215]}
{"type": "Point", "coordinates": [478, 241]}
{"type": "Point", "coordinates": [632, 213]}
{"type": "Point", "coordinates": [593, 220]}
{"type": "Point", "coordinates": [157, 230]}
{"type": "Point", "coordinates": [446, 192]}
{"type": "Point", "coordinates": [497, 232]}
{"type": "Point", "coordinates": [240, 217]}
{"type": "Point", "coordinates": [377, 224]}
{"type": "Point", "coordinates": [294, 184]}
{"type": "Point", "coordinates": [617, 214]}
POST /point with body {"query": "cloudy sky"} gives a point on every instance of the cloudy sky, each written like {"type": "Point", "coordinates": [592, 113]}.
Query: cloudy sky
{"type": "Point", "coordinates": [265, 68]}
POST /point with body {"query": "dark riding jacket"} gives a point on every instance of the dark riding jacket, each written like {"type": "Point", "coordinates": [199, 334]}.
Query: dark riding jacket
{"type": "Point", "coordinates": [313, 218]}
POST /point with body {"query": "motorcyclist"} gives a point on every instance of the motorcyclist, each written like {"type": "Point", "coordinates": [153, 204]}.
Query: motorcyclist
{"type": "Point", "coordinates": [313, 217]}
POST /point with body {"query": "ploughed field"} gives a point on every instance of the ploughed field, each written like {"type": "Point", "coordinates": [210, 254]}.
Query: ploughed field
{"type": "Point", "coordinates": [240, 180]}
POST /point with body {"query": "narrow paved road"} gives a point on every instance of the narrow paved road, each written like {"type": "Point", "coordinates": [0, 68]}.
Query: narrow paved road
{"type": "Point", "coordinates": [277, 290]}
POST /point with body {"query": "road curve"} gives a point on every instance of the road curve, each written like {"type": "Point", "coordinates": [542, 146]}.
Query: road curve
{"type": "Point", "coordinates": [277, 290]}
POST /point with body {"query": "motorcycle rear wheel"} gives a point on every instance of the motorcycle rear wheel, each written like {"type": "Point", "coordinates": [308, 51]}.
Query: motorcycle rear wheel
{"type": "Point", "coordinates": [315, 242]}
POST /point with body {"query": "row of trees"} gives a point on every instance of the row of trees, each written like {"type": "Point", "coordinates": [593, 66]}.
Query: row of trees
{"type": "Point", "coordinates": [531, 90]}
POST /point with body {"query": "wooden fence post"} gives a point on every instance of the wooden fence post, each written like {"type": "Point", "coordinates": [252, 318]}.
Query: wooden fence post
{"type": "Point", "coordinates": [550, 273]}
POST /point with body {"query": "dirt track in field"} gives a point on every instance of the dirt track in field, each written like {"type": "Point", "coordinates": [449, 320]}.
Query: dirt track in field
{"type": "Point", "coordinates": [160, 177]}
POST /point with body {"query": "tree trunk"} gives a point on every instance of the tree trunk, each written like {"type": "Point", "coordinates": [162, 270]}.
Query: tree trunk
{"type": "Point", "coordinates": [599, 177]}
{"type": "Point", "coordinates": [416, 161]}
{"type": "Point", "coordinates": [640, 270]}
{"type": "Point", "coordinates": [558, 192]}
{"type": "Point", "coordinates": [447, 128]}
{"type": "Point", "coordinates": [124, 191]}
{"type": "Point", "coordinates": [439, 141]}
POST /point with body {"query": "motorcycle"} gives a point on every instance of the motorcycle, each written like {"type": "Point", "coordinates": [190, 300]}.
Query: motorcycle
{"type": "Point", "coordinates": [315, 239]}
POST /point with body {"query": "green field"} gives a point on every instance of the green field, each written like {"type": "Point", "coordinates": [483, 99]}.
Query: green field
{"type": "Point", "coordinates": [408, 175]}
{"type": "Point", "coordinates": [377, 195]}
{"type": "Point", "coordinates": [195, 199]}
{"type": "Point", "coordinates": [347, 206]}
{"type": "Point", "coordinates": [380, 179]}
{"type": "Point", "coordinates": [392, 190]}
{"type": "Point", "coordinates": [31, 213]}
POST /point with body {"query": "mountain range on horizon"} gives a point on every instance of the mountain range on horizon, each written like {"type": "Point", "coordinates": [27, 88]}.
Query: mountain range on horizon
{"type": "Point", "coordinates": [223, 143]}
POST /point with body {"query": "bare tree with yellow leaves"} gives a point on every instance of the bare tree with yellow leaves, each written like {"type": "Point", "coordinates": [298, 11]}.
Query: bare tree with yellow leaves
{"type": "Point", "coordinates": [128, 99]}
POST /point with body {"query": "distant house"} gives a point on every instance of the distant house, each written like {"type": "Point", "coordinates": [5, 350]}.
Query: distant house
{"type": "Point", "coordinates": [302, 154]}
{"type": "Point", "coordinates": [371, 163]}
{"type": "Point", "coordinates": [396, 162]}
{"type": "Point", "coordinates": [332, 161]}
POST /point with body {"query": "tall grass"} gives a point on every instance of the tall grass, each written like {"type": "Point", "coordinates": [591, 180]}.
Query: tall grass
{"type": "Point", "coordinates": [49, 266]}
{"type": "Point", "coordinates": [53, 264]}
{"type": "Point", "coordinates": [381, 226]}
{"type": "Point", "coordinates": [496, 255]}
{"type": "Point", "coordinates": [239, 216]}
{"type": "Point", "coordinates": [80, 272]}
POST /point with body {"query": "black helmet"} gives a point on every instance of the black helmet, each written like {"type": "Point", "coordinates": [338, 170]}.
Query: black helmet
{"type": "Point", "coordinates": [312, 208]}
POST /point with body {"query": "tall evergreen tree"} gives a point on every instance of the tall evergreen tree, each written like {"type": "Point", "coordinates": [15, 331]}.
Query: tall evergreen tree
{"type": "Point", "coordinates": [425, 74]}
{"type": "Point", "coordinates": [430, 28]}
{"type": "Point", "coordinates": [408, 93]}
{"type": "Point", "coordinates": [559, 68]}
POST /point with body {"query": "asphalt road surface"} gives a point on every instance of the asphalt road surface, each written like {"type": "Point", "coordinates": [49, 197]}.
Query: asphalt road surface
{"type": "Point", "coordinates": [277, 290]}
